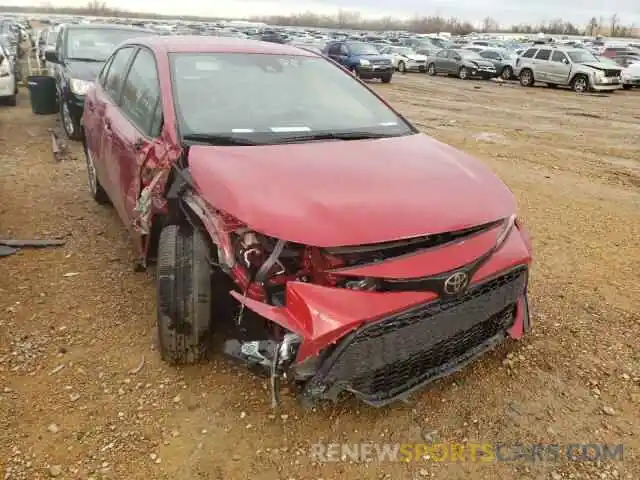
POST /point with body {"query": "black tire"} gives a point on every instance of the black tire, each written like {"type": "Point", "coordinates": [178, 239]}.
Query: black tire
{"type": "Point", "coordinates": [627, 87]}
{"type": "Point", "coordinates": [402, 68]}
{"type": "Point", "coordinates": [580, 83]}
{"type": "Point", "coordinates": [507, 73]}
{"type": "Point", "coordinates": [11, 100]}
{"type": "Point", "coordinates": [354, 72]}
{"type": "Point", "coordinates": [431, 70]}
{"type": "Point", "coordinates": [71, 128]}
{"type": "Point", "coordinates": [463, 73]}
{"type": "Point", "coordinates": [386, 78]}
{"type": "Point", "coordinates": [526, 78]}
{"type": "Point", "coordinates": [184, 297]}
{"type": "Point", "coordinates": [95, 187]}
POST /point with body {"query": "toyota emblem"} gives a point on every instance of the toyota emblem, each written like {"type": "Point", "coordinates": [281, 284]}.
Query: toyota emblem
{"type": "Point", "coordinates": [456, 283]}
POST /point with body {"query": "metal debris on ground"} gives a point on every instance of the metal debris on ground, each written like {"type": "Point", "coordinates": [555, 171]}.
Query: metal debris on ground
{"type": "Point", "coordinates": [9, 247]}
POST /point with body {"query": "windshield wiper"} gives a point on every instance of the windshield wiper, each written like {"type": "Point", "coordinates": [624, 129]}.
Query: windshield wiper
{"type": "Point", "coordinates": [310, 137]}
{"type": "Point", "coordinates": [80, 59]}
{"type": "Point", "coordinates": [220, 140]}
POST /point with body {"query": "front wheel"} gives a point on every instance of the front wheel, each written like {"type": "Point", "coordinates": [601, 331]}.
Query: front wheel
{"type": "Point", "coordinates": [402, 68]}
{"type": "Point", "coordinates": [11, 100]}
{"type": "Point", "coordinates": [627, 87]}
{"type": "Point", "coordinates": [463, 73]}
{"type": "Point", "coordinates": [580, 84]}
{"type": "Point", "coordinates": [386, 78]}
{"type": "Point", "coordinates": [507, 73]}
{"type": "Point", "coordinates": [431, 69]}
{"type": "Point", "coordinates": [526, 78]}
{"type": "Point", "coordinates": [69, 124]}
{"type": "Point", "coordinates": [184, 297]}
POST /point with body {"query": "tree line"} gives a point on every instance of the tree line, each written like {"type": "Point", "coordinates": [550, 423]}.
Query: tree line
{"type": "Point", "coordinates": [345, 19]}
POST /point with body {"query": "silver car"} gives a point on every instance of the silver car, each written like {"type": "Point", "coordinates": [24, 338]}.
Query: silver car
{"type": "Point", "coordinates": [567, 67]}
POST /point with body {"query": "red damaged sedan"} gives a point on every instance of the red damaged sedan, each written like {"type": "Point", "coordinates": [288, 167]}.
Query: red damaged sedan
{"type": "Point", "coordinates": [296, 216]}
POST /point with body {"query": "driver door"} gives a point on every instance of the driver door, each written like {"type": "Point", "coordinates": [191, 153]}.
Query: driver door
{"type": "Point", "coordinates": [452, 62]}
{"type": "Point", "coordinates": [559, 68]}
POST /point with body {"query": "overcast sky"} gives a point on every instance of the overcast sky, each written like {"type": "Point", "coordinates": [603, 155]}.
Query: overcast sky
{"type": "Point", "coordinates": [504, 11]}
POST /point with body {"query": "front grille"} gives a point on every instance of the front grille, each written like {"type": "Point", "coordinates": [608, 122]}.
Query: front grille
{"type": "Point", "coordinates": [386, 359]}
{"type": "Point", "coordinates": [612, 73]}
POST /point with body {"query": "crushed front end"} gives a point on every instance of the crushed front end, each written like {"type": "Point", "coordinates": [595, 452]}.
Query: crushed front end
{"type": "Point", "coordinates": [380, 321]}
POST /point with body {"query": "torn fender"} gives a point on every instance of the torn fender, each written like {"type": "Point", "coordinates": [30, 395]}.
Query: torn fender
{"type": "Point", "coordinates": [323, 315]}
{"type": "Point", "coordinates": [146, 195]}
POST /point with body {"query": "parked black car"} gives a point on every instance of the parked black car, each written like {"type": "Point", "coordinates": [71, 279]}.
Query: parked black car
{"type": "Point", "coordinates": [463, 63]}
{"type": "Point", "coordinates": [80, 53]}
{"type": "Point", "coordinates": [503, 60]}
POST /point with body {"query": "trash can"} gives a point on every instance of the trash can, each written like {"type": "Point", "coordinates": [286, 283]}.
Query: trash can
{"type": "Point", "coordinates": [42, 94]}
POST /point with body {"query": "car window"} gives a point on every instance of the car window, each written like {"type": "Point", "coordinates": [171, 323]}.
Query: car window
{"type": "Point", "coordinates": [442, 54]}
{"type": "Point", "coordinates": [492, 55]}
{"type": "Point", "coordinates": [385, 50]}
{"type": "Point", "coordinates": [117, 70]}
{"type": "Point", "coordinates": [543, 54]}
{"type": "Point", "coordinates": [223, 94]}
{"type": "Point", "coordinates": [530, 53]}
{"type": "Point", "coordinates": [559, 57]}
{"type": "Point", "coordinates": [141, 91]}
{"type": "Point", "coordinates": [103, 71]}
{"type": "Point", "coordinates": [97, 43]}
{"type": "Point", "coordinates": [335, 49]}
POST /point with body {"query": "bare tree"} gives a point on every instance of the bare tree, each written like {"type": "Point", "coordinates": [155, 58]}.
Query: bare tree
{"type": "Point", "coordinates": [489, 25]}
{"type": "Point", "coordinates": [593, 26]}
{"type": "Point", "coordinates": [614, 23]}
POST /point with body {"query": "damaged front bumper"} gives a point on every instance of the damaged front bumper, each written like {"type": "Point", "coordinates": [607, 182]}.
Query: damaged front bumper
{"type": "Point", "coordinates": [388, 358]}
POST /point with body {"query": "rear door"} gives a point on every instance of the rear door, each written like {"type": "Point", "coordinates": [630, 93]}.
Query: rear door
{"type": "Point", "coordinates": [542, 62]}
{"type": "Point", "coordinates": [133, 127]}
{"type": "Point", "coordinates": [107, 98]}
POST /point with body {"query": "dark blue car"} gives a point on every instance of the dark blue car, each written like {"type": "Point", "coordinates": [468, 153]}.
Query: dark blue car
{"type": "Point", "coordinates": [362, 59]}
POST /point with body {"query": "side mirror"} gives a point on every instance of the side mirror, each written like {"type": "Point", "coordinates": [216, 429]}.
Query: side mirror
{"type": "Point", "coordinates": [457, 57]}
{"type": "Point", "coordinates": [51, 56]}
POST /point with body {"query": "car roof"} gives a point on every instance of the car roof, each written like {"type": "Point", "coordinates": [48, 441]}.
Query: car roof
{"type": "Point", "coordinates": [103, 26]}
{"type": "Point", "coordinates": [201, 44]}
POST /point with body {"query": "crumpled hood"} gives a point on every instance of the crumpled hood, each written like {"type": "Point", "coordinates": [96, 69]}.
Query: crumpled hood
{"type": "Point", "coordinates": [602, 65]}
{"type": "Point", "coordinates": [340, 193]}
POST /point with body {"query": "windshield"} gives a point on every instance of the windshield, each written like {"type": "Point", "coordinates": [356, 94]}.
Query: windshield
{"type": "Point", "coordinates": [402, 50]}
{"type": "Point", "coordinates": [255, 95]}
{"type": "Point", "coordinates": [97, 43]}
{"type": "Point", "coordinates": [468, 53]}
{"type": "Point", "coordinates": [582, 56]}
{"type": "Point", "coordinates": [363, 49]}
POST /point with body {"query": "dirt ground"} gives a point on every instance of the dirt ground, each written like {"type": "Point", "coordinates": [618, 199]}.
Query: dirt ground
{"type": "Point", "coordinates": [76, 401]}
